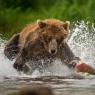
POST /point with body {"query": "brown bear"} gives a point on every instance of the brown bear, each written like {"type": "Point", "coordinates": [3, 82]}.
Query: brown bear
{"type": "Point", "coordinates": [41, 40]}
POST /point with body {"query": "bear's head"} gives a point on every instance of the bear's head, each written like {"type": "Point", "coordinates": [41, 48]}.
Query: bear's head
{"type": "Point", "coordinates": [52, 33]}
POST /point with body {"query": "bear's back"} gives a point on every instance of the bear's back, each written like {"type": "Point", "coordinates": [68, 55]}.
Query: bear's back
{"type": "Point", "coordinates": [25, 32]}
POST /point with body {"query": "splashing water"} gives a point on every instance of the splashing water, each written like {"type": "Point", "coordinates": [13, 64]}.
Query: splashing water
{"type": "Point", "coordinates": [81, 41]}
{"type": "Point", "coordinates": [5, 64]}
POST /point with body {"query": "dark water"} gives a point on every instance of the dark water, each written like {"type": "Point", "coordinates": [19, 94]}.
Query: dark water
{"type": "Point", "coordinates": [82, 42]}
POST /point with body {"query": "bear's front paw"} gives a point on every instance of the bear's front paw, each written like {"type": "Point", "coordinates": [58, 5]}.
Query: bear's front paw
{"type": "Point", "coordinates": [19, 67]}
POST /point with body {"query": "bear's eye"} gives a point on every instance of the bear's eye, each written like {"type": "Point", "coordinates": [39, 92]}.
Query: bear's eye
{"type": "Point", "coordinates": [57, 30]}
{"type": "Point", "coordinates": [47, 39]}
{"type": "Point", "coordinates": [59, 40]}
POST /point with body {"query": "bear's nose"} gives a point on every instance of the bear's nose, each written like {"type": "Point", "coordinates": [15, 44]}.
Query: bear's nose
{"type": "Point", "coordinates": [53, 51]}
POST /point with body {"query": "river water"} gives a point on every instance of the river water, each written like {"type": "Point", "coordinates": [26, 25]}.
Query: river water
{"type": "Point", "coordinates": [62, 80]}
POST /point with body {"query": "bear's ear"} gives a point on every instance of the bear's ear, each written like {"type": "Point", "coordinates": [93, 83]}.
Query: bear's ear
{"type": "Point", "coordinates": [41, 23]}
{"type": "Point", "coordinates": [66, 25]}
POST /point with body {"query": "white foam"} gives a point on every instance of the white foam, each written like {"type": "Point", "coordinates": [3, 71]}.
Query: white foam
{"type": "Point", "coordinates": [82, 41]}
{"type": "Point", "coordinates": [57, 69]}
{"type": "Point", "coordinates": [6, 67]}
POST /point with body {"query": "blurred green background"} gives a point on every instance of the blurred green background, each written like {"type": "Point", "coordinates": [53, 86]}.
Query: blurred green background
{"type": "Point", "coordinates": [15, 14]}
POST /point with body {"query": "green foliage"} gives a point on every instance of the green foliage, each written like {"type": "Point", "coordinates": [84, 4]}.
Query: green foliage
{"type": "Point", "coordinates": [15, 14]}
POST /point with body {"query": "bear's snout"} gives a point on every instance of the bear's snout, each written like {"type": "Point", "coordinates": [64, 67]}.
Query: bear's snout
{"type": "Point", "coordinates": [53, 51]}
{"type": "Point", "coordinates": [53, 46]}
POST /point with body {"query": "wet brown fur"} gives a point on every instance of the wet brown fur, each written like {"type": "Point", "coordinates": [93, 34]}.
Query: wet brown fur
{"type": "Point", "coordinates": [33, 42]}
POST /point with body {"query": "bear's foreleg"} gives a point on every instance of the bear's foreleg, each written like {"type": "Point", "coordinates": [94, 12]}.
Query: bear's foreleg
{"type": "Point", "coordinates": [23, 57]}
{"type": "Point", "coordinates": [12, 48]}
{"type": "Point", "coordinates": [67, 56]}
